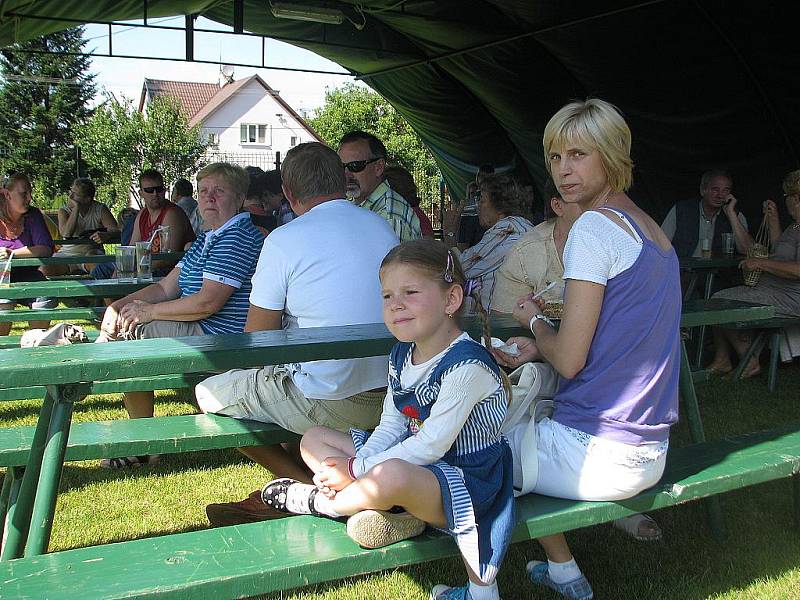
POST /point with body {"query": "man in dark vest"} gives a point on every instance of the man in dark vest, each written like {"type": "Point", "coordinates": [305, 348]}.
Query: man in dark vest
{"type": "Point", "coordinates": [690, 222]}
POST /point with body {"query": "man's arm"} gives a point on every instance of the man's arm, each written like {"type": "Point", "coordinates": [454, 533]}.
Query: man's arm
{"type": "Point", "coordinates": [669, 224]}
{"type": "Point", "coordinates": [262, 319]}
{"type": "Point", "coordinates": [738, 223]}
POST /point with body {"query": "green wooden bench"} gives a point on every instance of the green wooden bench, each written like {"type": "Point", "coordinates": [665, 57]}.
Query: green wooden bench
{"type": "Point", "coordinates": [113, 386]}
{"type": "Point", "coordinates": [17, 315]}
{"type": "Point", "coordinates": [770, 332]}
{"type": "Point", "coordinates": [72, 288]}
{"type": "Point", "coordinates": [273, 556]}
{"type": "Point", "coordinates": [63, 369]}
{"type": "Point", "coordinates": [12, 341]}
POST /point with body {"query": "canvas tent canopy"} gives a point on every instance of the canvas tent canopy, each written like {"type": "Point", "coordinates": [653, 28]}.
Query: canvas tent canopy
{"type": "Point", "coordinates": [702, 83]}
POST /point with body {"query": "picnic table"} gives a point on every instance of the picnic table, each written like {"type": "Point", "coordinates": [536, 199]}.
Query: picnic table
{"type": "Point", "coordinates": [65, 371]}
{"type": "Point", "coordinates": [708, 267]}
{"type": "Point", "coordinates": [697, 266]}
{"type": "Point", "coordinates": [89, 258]}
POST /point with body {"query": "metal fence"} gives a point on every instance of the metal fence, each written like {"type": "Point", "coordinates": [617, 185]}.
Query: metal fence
{"type": "Point", "coordinates": [264, 159]}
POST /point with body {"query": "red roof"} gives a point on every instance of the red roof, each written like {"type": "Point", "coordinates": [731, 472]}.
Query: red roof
{"type": "Point", "coordinates": [191, 96]}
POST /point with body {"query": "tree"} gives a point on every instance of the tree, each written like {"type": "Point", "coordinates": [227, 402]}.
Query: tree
{"type": "Point", "coordinates": [43, 99]}
{"type": "Point", "coordinates": [355, 107]}
{"type": "Point", "coordinates": [118, 142]}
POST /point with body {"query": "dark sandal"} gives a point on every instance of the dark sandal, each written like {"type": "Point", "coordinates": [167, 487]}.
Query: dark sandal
{"type": "Point", "coordinates": [275, 493]}
{"type": "Point", "coordinates": [125, 462]}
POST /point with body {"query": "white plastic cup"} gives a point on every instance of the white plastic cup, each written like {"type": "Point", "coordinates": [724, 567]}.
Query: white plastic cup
{"type": "Point", "coordinates": [125, 257]}
{"type": "Point", "coordinates": [163, 235]}
{"type": "Point", "coordinates": [727, 244]}
{"type": "Point", "coordinates": [144, 272]}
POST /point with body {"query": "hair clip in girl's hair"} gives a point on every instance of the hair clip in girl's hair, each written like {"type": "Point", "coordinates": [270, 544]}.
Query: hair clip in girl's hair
{"type": "Point", "coordinates": [470, 286]}
{"type": "Point", "coordinates": [448, 270]}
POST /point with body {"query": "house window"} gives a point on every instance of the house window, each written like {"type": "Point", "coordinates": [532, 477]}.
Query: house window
{"type": "Point", "coordinates": [255, 133]}
{"type": "Point", "coordinates": [293, 141]}
{"type": "Point", "coordinates": [213, 139]}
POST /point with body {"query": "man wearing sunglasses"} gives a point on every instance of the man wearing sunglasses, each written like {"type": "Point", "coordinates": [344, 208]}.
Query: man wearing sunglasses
{"type": "Point", "coordinates": [157, 212]}
{"type": "Point", "coordinates": [364, 159]}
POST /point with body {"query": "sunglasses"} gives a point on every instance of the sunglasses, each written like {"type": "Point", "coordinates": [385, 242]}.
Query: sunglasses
{"type": "Point", "coordinates": [356, 166]}
{"type": "Point", "coordinates": [156, 189]}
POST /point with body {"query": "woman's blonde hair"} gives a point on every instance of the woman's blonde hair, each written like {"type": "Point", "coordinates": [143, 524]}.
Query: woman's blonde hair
{"type": "Point", "coordinates": [234, 175]}
{"type": "Point", "coordinates": [600, 125]}
{"type": "Point", "coordinates": [791, 183]}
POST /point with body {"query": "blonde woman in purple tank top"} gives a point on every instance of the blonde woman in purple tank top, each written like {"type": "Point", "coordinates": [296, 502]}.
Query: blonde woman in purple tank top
{"type": "Point", "coordinates": [617, 349]}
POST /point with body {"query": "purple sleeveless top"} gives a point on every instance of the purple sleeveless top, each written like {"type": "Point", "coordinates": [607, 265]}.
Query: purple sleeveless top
{"type": "Point", "coordinates": [628, 390]}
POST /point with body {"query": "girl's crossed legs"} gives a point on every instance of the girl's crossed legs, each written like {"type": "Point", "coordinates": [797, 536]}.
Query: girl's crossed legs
{"type": "Point", "coordinates": [391, 483]}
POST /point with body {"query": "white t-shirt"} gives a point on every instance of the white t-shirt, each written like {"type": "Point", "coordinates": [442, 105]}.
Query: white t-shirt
{"type": "Point", "coordinates": [598, 249]}
{"type": "Point", "coordinates": [462, 389]}
{"type": "Point", "coordinates": [321, 270]}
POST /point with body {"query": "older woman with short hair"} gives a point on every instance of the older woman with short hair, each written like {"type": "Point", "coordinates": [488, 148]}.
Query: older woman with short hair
{"type": "Point", "coordinates": [500, 211]}
{"type": "Point", "coordinates": [618, 347]}
{"type": "Point", "coordinates": [207, 292]}
{"type": "Point", "coordinates": [778, 285]}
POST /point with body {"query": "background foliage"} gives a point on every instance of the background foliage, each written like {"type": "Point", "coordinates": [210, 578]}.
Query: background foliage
{"type": "Point", "coordinates": [355, 107]}
{"type": "Point", "coordinates": [42, 101]}
{"type": "Point", "coordinates": [118, 142]}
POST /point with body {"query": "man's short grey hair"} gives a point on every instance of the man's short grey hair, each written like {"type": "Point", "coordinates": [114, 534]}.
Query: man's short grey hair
{"type": "Point", "coordinates": [711, 173]}
{"type": "Point", "coordinates": [312, 170]}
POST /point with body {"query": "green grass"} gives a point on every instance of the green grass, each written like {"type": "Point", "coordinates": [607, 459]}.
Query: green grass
{"type": "Point", "coordinates": [761, 558]}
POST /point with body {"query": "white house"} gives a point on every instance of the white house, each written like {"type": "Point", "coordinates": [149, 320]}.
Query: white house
{"type": "Point", "coordinates": [246, 121]}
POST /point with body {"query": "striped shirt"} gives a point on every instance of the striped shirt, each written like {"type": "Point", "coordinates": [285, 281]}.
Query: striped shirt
{"type": "Point", "coordinates": [387, 203]}
{"type": "Point", "coordinates": [482, 261]}
{"type": "Point", "coordinates": [227, 255]}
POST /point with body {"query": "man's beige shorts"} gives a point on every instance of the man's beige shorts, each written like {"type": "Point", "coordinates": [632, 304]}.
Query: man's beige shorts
{"type": "Point", "coordinates": [158, 329]}
{"type": "Point", "coordinates": [269, 395]}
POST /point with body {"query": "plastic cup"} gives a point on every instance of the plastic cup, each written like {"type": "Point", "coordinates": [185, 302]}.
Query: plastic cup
{"type": "Point", "coordinates": [144, 271]}
{"type": "Point", "coordinates": [163, 240]}
{"type": "Point", "coordinates": [126, 263]}
{"type": "Point", "coordinates": [727, 244]}
{"type": "Point", "coordinates": [5, 274]}
{"type": "Point", "coordinates": [705, 248]}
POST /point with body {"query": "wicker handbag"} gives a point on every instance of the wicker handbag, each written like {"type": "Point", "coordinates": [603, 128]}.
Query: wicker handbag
{"type": "Point", "coordinates": [760, 249]}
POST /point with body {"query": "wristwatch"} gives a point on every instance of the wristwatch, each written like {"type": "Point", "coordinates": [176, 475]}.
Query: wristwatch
{"type": "Point", "coordinates": [539, 317]}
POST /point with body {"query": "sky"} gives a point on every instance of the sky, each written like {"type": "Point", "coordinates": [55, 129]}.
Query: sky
{"type": "Point", "coordinates": [124, 76]}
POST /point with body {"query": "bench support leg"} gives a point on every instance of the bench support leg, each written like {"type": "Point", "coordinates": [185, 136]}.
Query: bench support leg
{"type": "Point", "coordinates": [701, 337]}
{"type": "Point", "coordinates": [8, 495]}
{"type": "Point", "coordinates": [796, 494]}
{"type": "Point", "coordinates": [52, 464]}
{"type": "Point", "coordinates": [754, 349]}
{"type": "Point", "coordinates": [774, 355]}
{"type": "Point", "coordinates": [19, 516]}
{"type": "Point", "coordinates": [695, 421]}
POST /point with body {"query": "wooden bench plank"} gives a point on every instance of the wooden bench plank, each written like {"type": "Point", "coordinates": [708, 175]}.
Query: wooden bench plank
{"type": "Point", "coordinates": [718, 311]}
{"type": "Point", "coordinates": [115, 386]}
{"type": "Point", "coordinates": [133, 437]}
{"type": "Point", "coordinates": [52, 314]}
{"type": "Point", "coordinates": [287, 553]}
{"type": "Point", "coordinates": [12, 341]}
{"type": "Point", "coordinates": [102, 288]}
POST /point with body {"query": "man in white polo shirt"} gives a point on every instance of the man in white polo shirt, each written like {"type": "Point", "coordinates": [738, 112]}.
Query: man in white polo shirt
{"type": "Point", "coordinates": [315, 271]}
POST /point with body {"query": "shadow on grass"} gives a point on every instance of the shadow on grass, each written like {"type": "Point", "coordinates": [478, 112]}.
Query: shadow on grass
{"type": "Point", "coordinates": [79, 475]}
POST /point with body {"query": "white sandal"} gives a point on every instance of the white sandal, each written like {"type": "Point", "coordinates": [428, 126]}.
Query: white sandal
{"type": "Point", "coordinates": [632, 526]}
